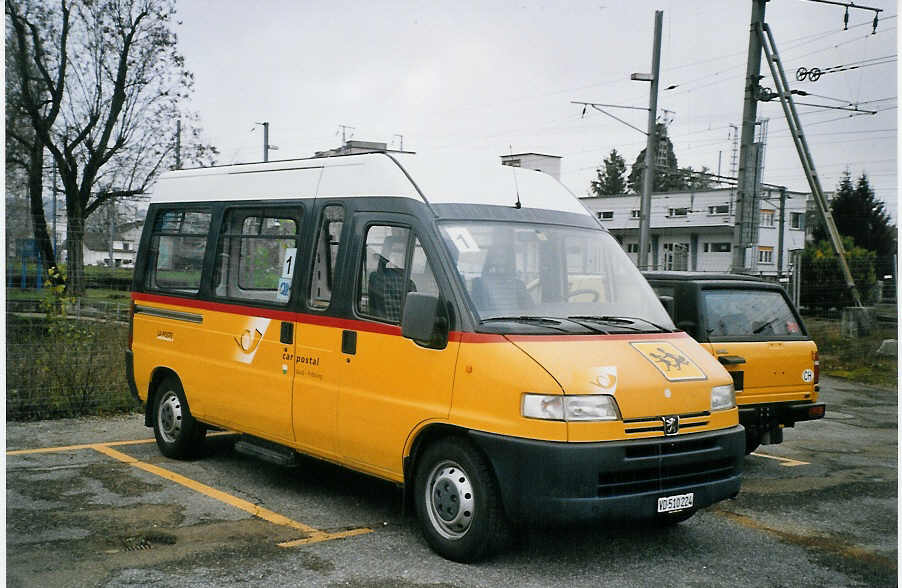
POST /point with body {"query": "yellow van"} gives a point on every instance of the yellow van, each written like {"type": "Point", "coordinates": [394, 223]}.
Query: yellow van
{"type": "Point", "coordinates": [753, 329]}
{"type": "Point", "coordinates": [468, 332]}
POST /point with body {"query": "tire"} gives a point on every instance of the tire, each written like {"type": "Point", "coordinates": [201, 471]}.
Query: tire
{"type": "Point", "coordinates": [752, 440]}
{"type": "Point", "coordinates": [458, 502]}
{"type": "Point", "coordinates": [178, 434]}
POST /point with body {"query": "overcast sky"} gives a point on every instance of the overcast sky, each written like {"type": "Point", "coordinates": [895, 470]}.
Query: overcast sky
{"type": "Point", "coordinates": [494, 77]}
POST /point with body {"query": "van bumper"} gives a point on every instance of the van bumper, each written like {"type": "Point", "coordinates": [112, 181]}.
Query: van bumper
{"type": "Point", "coordinates": [783, 413]}
{"type": "Point", "coordinates": [551, 483]}
{"type": "Point", "coordinates": [130, 373]}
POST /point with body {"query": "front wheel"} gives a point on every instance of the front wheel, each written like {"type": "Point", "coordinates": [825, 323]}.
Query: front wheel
{"type": "Point", "coordinates": [458, 502]}
{"type": "Point", "coordinates": [178, 434]}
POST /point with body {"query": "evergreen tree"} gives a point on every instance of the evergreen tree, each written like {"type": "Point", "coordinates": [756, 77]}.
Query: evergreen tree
{"type": "Point", "coordinates": [667, 174]}
{"type": "Point", "coordinates": [612, 179]}
{"type": "Point", "coordinates": [860, 215]}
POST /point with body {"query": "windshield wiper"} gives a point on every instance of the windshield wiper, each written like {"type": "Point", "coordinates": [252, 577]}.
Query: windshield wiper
{"type": "Point", "coordinates": [623, 320]}
{"type": "Point", "coordinates": [551, 323]}
{"type": "Point", "coordinates": [765, 325]}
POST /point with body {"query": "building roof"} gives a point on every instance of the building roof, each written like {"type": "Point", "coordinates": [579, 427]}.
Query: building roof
{"type": "Point", "coordinates": [530, 153]}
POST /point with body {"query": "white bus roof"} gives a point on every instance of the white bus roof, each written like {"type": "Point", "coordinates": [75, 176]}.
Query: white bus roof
{"type": "Point", "coordinates": [441, 181]}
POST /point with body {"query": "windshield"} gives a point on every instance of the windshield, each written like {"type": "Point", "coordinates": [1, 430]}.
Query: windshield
{"type": "Point", "coordinates": [522, 270]}
{"type": "Point", "coordinates": [749, 313]}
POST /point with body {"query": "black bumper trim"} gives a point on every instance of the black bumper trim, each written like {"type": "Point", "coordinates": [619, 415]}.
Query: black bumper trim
{"type": "Point", "coordinates": [783, 413]}
{"type": "Point", "coordinates": [130, 373]}
{"type": "Point", "coordinates": [550, 483]}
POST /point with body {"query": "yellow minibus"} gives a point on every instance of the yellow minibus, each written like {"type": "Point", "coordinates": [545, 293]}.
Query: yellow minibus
{"type": "Point", "coordinates": [469, 332]}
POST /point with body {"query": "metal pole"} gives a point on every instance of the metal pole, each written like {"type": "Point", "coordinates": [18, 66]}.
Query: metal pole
{"type": "Point", "coordinates": [265, 142]}
{"type": "Point", "coordinates": [53, 208]}
{"type": "Point", "coordinates": [178, 144]}
{"type": "Point", "coordinates": [746, 199]}
{"type": "Point", "coordinates": [801, 144]}
{"type": "Point", "coordinates": [780, 236]}
{"type": "Point", "coordinates": [648, 178]}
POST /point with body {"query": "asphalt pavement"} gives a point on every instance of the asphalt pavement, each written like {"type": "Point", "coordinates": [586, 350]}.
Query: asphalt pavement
{"type": "Point", "coordinates": [91, 502]}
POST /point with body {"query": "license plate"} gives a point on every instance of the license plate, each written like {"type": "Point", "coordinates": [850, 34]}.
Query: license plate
{"type": "Point", "coordinates": [674, 503]}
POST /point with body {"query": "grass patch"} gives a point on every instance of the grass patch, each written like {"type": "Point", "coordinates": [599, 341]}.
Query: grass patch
{"type": "Point", "coordinates": [854, 358]}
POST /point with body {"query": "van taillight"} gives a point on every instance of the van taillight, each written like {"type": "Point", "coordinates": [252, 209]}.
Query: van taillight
{"type": "Point", "coordinates": [131, 324]}
{"type": "Point", "coordinates": [817, 366]}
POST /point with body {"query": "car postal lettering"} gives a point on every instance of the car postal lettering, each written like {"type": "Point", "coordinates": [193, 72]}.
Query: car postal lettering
{"type": "Point", "coordinates": [469, 333]}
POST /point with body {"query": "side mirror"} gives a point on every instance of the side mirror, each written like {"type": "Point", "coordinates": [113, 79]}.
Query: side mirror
{"type": "Point", "coordinates": [425, 320]}
{"type": "Point", "coordinates": [667, 302]}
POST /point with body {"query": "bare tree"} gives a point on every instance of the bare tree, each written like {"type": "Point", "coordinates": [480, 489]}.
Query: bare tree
{"type": "Point", "coordinates": [25, 153]}
{"type": "Point", "coordinates": [103, 86]}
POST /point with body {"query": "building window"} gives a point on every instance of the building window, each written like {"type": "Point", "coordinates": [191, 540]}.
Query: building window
{"type": "Point", "coordinates": [796, 220]}
{"type": "Point", "coordinates": [606, 214]}
{"type": "Point", "coordinates": [719, 209]}
{"type": "Point", "coordinates": [512, 162]}
{"type": "Point", "coordinates": [676, 256]}
{"type": "Point", "coordinates": [632, 248]}
{"type": "Point", "coordinates": [767, 218]}
{"type": "Point", "coordinates": [678, 212]}
{"type": "Point", "coordinates": [765, 255]}
{"type": "Point", "coordinates": [724, 247]}
{"type": "Point", "coordinates": [634, 213]}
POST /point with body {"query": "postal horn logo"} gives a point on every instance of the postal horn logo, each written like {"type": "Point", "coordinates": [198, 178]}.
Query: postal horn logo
{"type": "Point", "coordinates": [604, 378]}
{"type": "Point", "coordinates": [670, 361]}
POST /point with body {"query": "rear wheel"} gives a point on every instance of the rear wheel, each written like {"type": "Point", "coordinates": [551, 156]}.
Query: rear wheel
{"type": "Point", "coordinates": [178, 434]}
{"type": "Point", "coordinates": [458, 502]}
{"type": "Point", "coordinates": [752, 439]}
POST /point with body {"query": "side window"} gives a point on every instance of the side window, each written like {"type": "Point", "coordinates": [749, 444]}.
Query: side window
{"type": "Point", "coordinates": [327, 244]}
{"type": "Point", "coordinates": [421, 275]}
{"type": "Point", "coordinates": [256, 256]}
{"type": "Point", "coordinates": [383, 284]}
{"type": "Point", "coordinates": [178, 244]}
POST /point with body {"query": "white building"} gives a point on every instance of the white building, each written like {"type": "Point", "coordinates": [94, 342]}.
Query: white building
{"type": "Point", "coordinates": [125, 246]}
{"type": "Point", "coordinates": [549, 164]}
{"type": "Point", "coordinates": [693, 231]}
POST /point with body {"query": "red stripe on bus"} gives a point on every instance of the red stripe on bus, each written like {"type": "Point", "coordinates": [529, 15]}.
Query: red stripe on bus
{"type": "Point", "coordinates": [380, 328]}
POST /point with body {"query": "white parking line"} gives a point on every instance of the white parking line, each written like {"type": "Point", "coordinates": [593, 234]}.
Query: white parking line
{"type": "Point", "coordinates": [784, 461]}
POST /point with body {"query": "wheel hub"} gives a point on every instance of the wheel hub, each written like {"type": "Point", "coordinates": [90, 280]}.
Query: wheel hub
{"type": "Point", "coordinates": [451, 504]}
{"type": "Point", "coordinates": [170, 417]}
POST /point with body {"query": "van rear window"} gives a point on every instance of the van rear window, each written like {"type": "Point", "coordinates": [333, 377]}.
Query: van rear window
{"type": "Point", "coordinates": [753, 314]}
{"type": "Point", "coordinates": [178, 244]}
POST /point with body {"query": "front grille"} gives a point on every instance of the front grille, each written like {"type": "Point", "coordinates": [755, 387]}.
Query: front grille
{"type": "Point", "coordinates": [655, 424]}
{"type": "Point", "coordinates": [668, 465]}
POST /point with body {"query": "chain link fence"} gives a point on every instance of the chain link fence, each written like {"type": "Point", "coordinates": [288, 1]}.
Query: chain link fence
{"type": "Point", "coordinates": [65, 364]}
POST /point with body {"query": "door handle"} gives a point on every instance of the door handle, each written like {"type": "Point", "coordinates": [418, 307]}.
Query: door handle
{"type": "Point", "coordinates": [349, 342]}
{"type": "Point", "coordinates": [286, 335]}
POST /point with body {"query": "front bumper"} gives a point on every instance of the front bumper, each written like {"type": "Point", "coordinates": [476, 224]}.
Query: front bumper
{"type": "Point", "coordinates": [547, 483]}
{"type": "Point", "coordinates": [130, 373]}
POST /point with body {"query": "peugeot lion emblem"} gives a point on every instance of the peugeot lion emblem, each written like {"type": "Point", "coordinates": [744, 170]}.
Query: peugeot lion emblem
{"type": "Point", "coordinates": [671, 425]}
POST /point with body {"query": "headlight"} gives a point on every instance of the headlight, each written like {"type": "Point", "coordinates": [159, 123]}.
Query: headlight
{"type": "Point", "coordinates": [723, 397]}
{"type": "Point", "coordinates": [594, 407]}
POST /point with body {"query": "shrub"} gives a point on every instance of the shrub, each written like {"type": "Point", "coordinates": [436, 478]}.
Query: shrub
{"type": "Point", "coordinates": [61, 367]}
